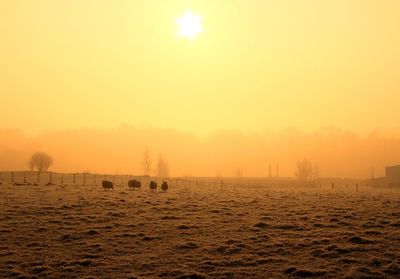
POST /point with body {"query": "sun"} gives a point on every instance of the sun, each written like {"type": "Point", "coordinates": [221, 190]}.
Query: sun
{"type": "Point", "coordinates": [189, 25]}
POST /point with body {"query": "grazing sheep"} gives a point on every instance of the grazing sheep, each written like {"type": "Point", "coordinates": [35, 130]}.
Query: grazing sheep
{"type": "Point", "coordinates": [153, 186]}
{"type": "Point", "coordinates": [134, 184]}
{"type": "Point", "coordinates": [108, 185]}
{"type": "Point", "coordinates": [139, 185]}
{"type": "Point", "coordinates": [164, 186]}
{"type": "Point", "coordinates": [131, 184]}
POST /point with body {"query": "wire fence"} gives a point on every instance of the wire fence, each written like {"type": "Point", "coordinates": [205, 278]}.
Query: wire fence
{"type": "Point", "coordinates": [54, 178]}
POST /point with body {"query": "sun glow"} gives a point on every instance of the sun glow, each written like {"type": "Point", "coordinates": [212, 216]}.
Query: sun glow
{"type": "Point", "coordinates": [189, 25]}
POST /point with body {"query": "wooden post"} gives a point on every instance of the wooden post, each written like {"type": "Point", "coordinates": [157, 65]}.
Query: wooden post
{"type": "Point", "coordinates": [38, 177]}
{"type": "Point", "coordinates": [24, 177]}
{"type": "Point", "coordinates": [62, 179]}
{"type": "Point", "coordinates": [332, 185]}
{"type": "Point", "coordinates": [357, 187]}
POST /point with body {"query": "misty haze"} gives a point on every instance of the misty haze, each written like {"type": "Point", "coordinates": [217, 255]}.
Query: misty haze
{"type": "Point", "coordinates": [199, 139]}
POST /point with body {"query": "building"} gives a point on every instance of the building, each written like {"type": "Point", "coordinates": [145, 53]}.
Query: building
{"type": "Point", "coordinates": [392, 175]}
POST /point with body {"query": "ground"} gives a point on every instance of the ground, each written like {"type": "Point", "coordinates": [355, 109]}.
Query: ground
{"type": "Point", "coordinates": [79, 231]}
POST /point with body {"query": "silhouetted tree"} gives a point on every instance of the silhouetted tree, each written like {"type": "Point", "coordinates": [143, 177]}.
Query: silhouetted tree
{"type": "Point", "coordinates": [162, 167]}
{"type": "Point", "coordinates": [305, 171]}
{"type": "Point", "coordinates": [146, 162]}
{"type": "Point", "coordinates": [40, 161]}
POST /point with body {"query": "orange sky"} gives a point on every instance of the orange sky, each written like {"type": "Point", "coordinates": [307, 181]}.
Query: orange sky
{"type": "Point", "coordinates": [257, 65]}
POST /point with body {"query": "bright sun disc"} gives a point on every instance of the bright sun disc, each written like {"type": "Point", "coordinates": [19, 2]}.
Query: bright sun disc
{"type": "Point", "coordinates": [189, 25]}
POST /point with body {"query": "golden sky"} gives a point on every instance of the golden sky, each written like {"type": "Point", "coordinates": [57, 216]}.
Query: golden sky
{"type": "Point", "coordinates": [256, 65]}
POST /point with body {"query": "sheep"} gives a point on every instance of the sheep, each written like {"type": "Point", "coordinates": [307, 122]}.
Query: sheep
{"type": "Point", "coordinates": [138, 185]}
{"type": "Point", "coordinates": [164, 186]}
{"type": "Point", "coordinates": [134, 184]}
{"type": "Point", "coordinates": [153, 186]}
{"type": "Point", "coordinates": [107, 185]}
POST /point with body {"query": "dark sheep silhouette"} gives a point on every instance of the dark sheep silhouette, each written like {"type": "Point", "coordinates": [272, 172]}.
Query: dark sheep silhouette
{"type": "Point", "coordinates": [107, 185]}
{"type": "Point", "coordinates": [164, 186]}
{"type": "Point", "coordinates": [134, 184]}
{"type": "Point", "coordinates": [153, 186]}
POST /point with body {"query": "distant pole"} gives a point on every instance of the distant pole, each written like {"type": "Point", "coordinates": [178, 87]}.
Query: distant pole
{"type": "Point", "coordinates": [38, 177]}
{"type": "Point", "coordinates": [277, 170]}
{"type": "Point", "coordinates": [62, 179]}
{"type": "Point", "coordinates": [357, 187]}
{"type": "Point", "coordinates": [12, 177]}
{"type": "Point", "coordinates": [51, 177]}
{"type": "Point", "coordinates": [73, 179]}
{"type": "Point", "coordinates": [24, 177]}
{"type": "Point", "coordinates": [332, 185]}
{"type": "Point", "coordinates": [84, 179]}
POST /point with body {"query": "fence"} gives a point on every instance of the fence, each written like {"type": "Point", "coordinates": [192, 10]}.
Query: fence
{"type": "Point", "coordinates": [34, 177]}
{"type": "Point", "coordinates": [49, 178]}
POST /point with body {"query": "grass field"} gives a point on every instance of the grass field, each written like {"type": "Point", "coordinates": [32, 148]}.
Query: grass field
{"type": "Point", "coordinates": [198, 232]}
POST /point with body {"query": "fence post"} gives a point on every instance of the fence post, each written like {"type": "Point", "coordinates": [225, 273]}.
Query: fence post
{"type": "Point", "coordinates": [62, 179]}
{"type": "Point", "coordinates": [38, 177]}
{"type": "Point", "coordinates": [50, 177]}
{"type": "Point", "coordinates": [24, 177]}
{"type": "Point", "coordinates": [357, 187]}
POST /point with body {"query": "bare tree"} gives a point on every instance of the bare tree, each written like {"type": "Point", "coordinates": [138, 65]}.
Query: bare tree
{"type": "Point", "coordinates": [162, 167]}
{"type": "Point", "coordinates": [146, 163]}
{"type": "Point", "coordinates": [305, 171]}
{"type": "Point", "coordinates": [40, 161]}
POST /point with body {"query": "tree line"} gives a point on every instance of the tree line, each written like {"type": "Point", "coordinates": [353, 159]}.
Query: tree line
{"type": "Point", "coordinates": [305, 171]}
{"type": "Point", "coordinates": [41, 162]}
